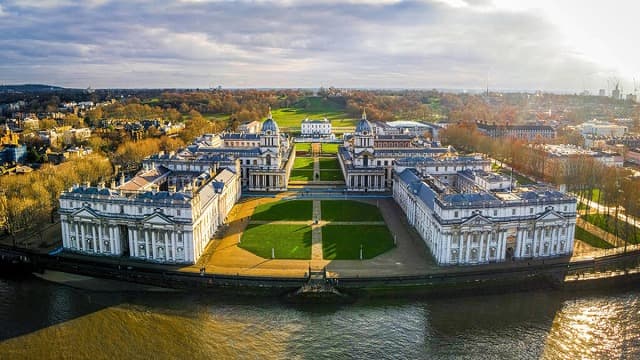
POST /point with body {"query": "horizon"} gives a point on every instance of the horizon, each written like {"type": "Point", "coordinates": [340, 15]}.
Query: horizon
{"type": "Point", "coordinates": [442, 90]}
{"type": "Point", "coordinates": [507, 46]}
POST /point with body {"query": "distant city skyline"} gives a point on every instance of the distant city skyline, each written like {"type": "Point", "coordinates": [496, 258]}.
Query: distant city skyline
{"type": "Point", "coordinates": [456, 44]}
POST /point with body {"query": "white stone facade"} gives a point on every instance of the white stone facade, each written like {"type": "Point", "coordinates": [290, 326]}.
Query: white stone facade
{"type": "Point", "coordinates": [484, 227]}
{"type": "Point", "coordinates": [367, 167]}
{"type": "Point", "coordinates": [316, 128]}
{"type": "Point", "coordinates": [265, 159]}
{"type": "Point", "coordinates": [161, 215]}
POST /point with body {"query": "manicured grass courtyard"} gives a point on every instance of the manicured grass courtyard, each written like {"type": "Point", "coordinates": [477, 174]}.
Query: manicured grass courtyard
{"type": "Point", "coordinates": [331, 175]}
{"type": "Point", "coordinates": [328, 164]}
{"type": "Point", "coordinates": [305, 147]}
{"type": "Point", "coordinates": [297, 210]}
{"type": "Point", "coordinates": [593, 240]}
{"type": "Point", "coordinates": [301, 175]}
{"type": "Point", "coordinates": [330, 148]}
{"type": "Point", "coordinates": [342, 242]}
{"type": "Point", "coordinates": [303, 163]}
{"type": "Point", "coordinates": [288, 241]}
{"type": "Point", "coordinates": [348, 210]}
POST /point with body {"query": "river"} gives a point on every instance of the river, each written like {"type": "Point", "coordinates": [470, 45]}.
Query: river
{"type": "Point", "coordinates": [42, 320]}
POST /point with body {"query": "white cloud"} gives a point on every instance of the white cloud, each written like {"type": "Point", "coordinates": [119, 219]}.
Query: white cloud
{"type": "Point", "coordinates": [362, 43]}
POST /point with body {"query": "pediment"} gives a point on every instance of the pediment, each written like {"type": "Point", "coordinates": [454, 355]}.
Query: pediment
{"type": "Point", "coordinates": [158, 218]}
{"type": "Point", "coordinates": [477, 220]}
{"type": "Point", "coordinates": [363, 153]}
{"type": "Point", "coordinates": [85, 212]}
{"type": "Point", "coordinates": [550, 215]}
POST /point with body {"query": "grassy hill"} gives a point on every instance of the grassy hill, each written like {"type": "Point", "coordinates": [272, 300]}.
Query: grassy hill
{"type": "Point", "coordinates": [313, 107]}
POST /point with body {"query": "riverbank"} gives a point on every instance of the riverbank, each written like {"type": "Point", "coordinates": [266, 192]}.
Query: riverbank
{"type": "Point", "coordinates": [456, 281]}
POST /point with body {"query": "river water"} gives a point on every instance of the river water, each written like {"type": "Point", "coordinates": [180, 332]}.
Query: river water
{"type": "Point", "coordinates": [41, 320]}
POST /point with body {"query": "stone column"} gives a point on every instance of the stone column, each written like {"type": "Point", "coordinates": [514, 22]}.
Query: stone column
{"type": "Point", "coordinates": [173, 245]}
{"type": "Point", "coordinates": [468, 247]}
{"type": "Point", "coordinates": [154, 238]}
{"type": "Point", "coordinates": [81, 237]}
{"type": "Point", "coordinates": [100, 227]}
{"type": "Point", "coordinates": [115, 248]}
{"type": "Point", "coordinates": [491, 235]}
{"type": "Point", "coordinates": [132, 243]}
{"type": "Point", "coordinates": [146, 242]}
{"type": "Point", "coordinates": [461, 240]}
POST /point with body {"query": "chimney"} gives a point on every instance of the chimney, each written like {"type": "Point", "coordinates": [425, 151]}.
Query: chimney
{"type": "Point", "coordinates": [122, 179]}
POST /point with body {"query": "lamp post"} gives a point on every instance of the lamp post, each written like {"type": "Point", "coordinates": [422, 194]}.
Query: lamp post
{"type": "Point", "coordinates": [361, 251]}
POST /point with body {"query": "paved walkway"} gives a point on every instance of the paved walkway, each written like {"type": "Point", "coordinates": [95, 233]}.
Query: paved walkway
{"type": "Point", "coordinates": [316, 233]}
{"type": "Point", "coordinates": [316, 168]}
{"type": "Point", "coordinates": [320, 222]}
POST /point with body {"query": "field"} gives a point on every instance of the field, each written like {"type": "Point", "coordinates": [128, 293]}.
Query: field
{"type": "Point", "coordinates": [331, 175]}
{"type": "Point", "coordinates": [304, 147]}
{"type": "Point", "coordinates": [609, 224]}
{"type": "Point", "coordinates": [342, 242]}
{"type": "Point", "coordinates": [347, 210]}
{"type": "Point", "coordinates": [292, 117]}
{"type": "Point", "coordinates": [301, 175]}
{"type": "Point", "coordinates": [303, 163]}
{"type": "Point", "coordinates": [288, 241]}
{"type": "Point", "coordinates": [330, 148]}
{"type": "Point", "coordinates": [284, 210]}
{"type": "Point", "coordinates": [329, 164]}
{"type": "Point", "coordinates": [591, 239]}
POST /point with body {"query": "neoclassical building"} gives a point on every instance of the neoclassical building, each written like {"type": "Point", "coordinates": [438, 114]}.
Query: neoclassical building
{"type": "Point", "coordinates": [316, 128]}
{"type": "Point", "coordinates": [367, 159]}
{"type": "Point", "coordinates": [481, 217]}
{"type": "Point", "coordinates": [167, 213]}
{"type": "Point", "coordinates": [265, 158]}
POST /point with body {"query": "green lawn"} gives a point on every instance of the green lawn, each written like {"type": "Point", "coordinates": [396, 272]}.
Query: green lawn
{"type": "Point", "coordinates": [331, 175]}
{"type": "Point", "coordinates": [292, 117]}
{"type": "Point", "coordinates": [342, 242]}
{"type": "Point", "coordinates": [303, 163]}
{"type": "Point", "coordinates": [596, 195]}
{"type": "Point", "coordinates": [329, 164]}
{"type": "Point", "coordinates": [305, 147]}
{"type": "Point", "coordinates": [301, 175]}
{"type": "Point", "coordinates": [593, 240]}
{"type": "Point", "coordinates": [614, 226]}
{"type": "Point", "coordinates": [289, 241]}
{"type": "Point", "coordinates": [330, 148]}
{"type": "Point", "coordinates": [582, 206]}
{"type": "Point", "coordinates": [284, 210]}
{"type": "Point", "coordinates": [348, 210]}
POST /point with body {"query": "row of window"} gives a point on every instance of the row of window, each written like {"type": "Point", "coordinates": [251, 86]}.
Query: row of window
{"type": "Point", "coordinates": [456, 213]}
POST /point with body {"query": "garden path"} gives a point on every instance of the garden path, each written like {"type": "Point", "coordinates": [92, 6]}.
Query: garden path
{"type": "Point", "coordinates": [316, 230]}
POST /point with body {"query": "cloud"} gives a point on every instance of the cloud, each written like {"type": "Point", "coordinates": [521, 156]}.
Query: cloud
{"type": "Point", "coordinates": [285, 43]}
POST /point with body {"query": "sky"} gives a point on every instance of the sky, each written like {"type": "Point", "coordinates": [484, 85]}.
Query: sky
{"type": "Point", "coordinates": [566, 45]}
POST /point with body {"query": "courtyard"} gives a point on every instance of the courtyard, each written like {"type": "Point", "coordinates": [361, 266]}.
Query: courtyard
{"type": "Point", "coordinates": [315, 234]}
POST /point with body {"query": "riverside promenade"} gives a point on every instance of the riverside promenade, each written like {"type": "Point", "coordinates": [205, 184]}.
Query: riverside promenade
{"type": "Point", "coordinates": [408, 262]}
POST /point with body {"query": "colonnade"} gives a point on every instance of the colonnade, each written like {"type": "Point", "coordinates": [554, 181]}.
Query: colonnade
{"type": "Point", "coordinates": [369, 182]}
{"type": "Point", "coordinates": [266, 181]}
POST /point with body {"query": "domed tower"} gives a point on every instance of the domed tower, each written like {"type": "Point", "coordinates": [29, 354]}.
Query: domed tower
{"type": "Point", "coordinates": [270, 137]}
{"type": "Point", "coordinates": [364, 133]}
